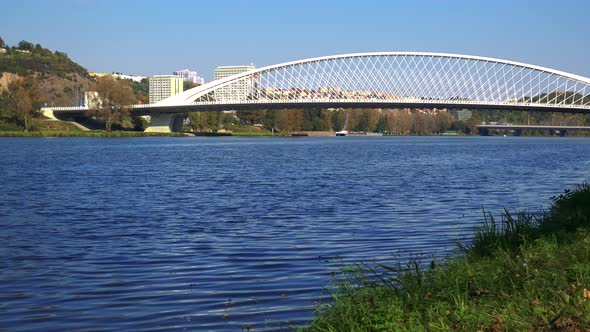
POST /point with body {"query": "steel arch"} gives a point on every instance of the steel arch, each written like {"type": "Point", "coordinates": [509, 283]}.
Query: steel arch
{"type": "Point", "coordinates": [393, 77]}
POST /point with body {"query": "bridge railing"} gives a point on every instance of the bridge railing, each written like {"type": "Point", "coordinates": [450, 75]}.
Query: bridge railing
{"type": "Point", "coordinates": [344, 102]}
{"type": "Point", "coordinates": [382, 101]}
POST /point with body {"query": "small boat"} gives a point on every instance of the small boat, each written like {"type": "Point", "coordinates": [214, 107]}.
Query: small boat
{"type": "Point", "coordinates": [356, 133]}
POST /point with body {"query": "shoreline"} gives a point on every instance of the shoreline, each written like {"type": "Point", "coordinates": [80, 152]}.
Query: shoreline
{"type": "Point", "coordinates": [123, 134]}
{"type": "Point", "coordinates": [503, 280]}
{"type": "Point", "coordinates": [97, 134]}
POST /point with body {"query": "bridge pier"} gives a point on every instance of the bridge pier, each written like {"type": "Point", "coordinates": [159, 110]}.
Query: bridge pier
{"type": "Point", "coordinates": [165, 123]}
{"type": "Point", "coordinates": [517, 132]}
{"type": "Point", "coordinates": [51, 116]}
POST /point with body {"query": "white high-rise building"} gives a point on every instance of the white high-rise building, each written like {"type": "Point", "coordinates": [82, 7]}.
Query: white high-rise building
{"type": "Point", "coordinates": [190, 76]}
{"type": "Point", "coordinates": [235, 91]}
{"type": "Point", "coordinates": [164, 86]}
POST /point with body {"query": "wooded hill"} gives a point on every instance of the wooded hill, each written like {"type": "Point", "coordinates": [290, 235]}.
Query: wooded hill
{"type": "Point", "coordinates": [59, 80]}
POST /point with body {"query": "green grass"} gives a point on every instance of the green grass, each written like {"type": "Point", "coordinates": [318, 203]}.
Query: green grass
{"type": "Point", "coordinates": [73, 133]}
{"type": "Point", "coordinates": [8, 126]}
{"type": "Point", "coordinates": [507, 235]}
{"type": "Point", "coordinates": [523, 273]}
{"type": "Point", "coordinates": [252, 133]}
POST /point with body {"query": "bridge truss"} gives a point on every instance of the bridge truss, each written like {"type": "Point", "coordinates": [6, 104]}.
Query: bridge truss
{"type": "Point", "coordinates": [396, 78]}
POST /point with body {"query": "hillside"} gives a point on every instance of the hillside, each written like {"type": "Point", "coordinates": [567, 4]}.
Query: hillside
{"type": "Point", "coordinates": [60, 81]}
{"type": "Point", "coordinates": [26, 59]}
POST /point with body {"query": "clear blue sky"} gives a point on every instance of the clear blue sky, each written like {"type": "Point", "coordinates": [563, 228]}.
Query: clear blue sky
{"type": "Point", "coordinates": [157, 37]}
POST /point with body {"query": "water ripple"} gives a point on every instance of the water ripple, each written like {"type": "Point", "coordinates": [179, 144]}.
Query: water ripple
{"type": "Point", "coordinates": [230, 234]}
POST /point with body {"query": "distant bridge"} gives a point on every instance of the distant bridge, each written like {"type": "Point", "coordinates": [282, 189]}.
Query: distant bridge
{"type": "Point", "coordinates": [379, 80]}
{"type": "Point", "coordinates": [517, 129]}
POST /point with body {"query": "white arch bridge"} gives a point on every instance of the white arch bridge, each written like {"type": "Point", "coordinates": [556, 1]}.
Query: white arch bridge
{"type": "Point", "coordinates": [381, 80]}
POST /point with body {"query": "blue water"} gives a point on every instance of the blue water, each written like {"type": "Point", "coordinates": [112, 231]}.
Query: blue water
{"type": "Point", "coordinates": [224, 233]}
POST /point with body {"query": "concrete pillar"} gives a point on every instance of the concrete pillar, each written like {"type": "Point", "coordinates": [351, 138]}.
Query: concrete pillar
{"type": "Point", "coordinates": [165, 123]}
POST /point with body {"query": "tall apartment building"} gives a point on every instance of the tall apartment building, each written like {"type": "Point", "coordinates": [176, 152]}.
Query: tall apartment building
{"type": "Point", "coordinates": [235, 91]}
{"type": "Point", "coordinates": [190, 76]}
{"type": "Point", "coordinates": [164, 86]}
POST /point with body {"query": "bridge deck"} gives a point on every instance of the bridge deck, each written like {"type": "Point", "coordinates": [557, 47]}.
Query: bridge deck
{"type": "Point", "coordinates": [533, 127]}
{"type": "Point", "coordinates": [148, 109]}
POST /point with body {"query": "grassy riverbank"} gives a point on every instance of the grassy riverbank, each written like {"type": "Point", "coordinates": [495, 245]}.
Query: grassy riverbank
{"type": "Point", "coordinates": [73, 133]}
{"type": "Point", "coordinates": [41, 127]}
{"type": "Point", "coordinates": [523, 273]}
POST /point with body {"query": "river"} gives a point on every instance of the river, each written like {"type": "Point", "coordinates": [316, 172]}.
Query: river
{"type": "Point", "coordinates": [227, 234]}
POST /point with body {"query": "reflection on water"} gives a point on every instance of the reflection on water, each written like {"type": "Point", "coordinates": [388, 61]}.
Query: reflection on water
{"type": "Point", "coordinates": [225, 233]}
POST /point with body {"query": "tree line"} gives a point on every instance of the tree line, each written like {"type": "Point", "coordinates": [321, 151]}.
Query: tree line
{"type": "Point", "coordinates": [390, 121]}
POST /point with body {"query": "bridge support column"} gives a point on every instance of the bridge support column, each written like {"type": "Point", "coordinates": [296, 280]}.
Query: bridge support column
{"type": "Point", "coordinates": [517, 132]}
{"type": "Point", "coordinates": [165, 123]}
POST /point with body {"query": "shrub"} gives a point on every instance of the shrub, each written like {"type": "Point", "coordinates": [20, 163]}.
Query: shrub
{"type": "Point", "coordinates": [508, 235]}
{"type": "Point", "coordinates": [569, 211]}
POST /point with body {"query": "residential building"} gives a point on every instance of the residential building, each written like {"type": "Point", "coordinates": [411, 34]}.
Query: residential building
{"type": "Point", "coordinates": [190, 76]}
{"type": "Point", "coordinates": [462, 115]}
{"type": "Point", "coordinates": [134, 78]}
{"type": "Point", "coordinates": [236, 91]}
{"type": "Point", "coordinates": [118, 75]}
{"type": "Point", "coordinates": [164, 86]}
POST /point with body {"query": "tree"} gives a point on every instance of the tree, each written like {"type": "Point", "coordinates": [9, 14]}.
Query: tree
{"type": "Point", "coordinates": [471, 125]}
{"type": "Point", "coordinates": [381, 126]}
{"type": "Point", "coordinates": [405, 121]}
{"type": "Point", "coordinates": [442, 122]}
{"type": "Point", "coordinates": [270, 119]}
{"type": "Point", "coordinates": [290, 120]}
{"type": "Point", "coordinates": [391, 120]}
{"type": "Point", "coordinates": [114, 98]}
{"type": "Point", "coordinates": [21, 100]}
{"type": "Point", "coordinates": [141, 90]}
{"type": "Point", "coordinates": [2, 44]}
{"type": "Point", "coordinates": [339, 119]}
{"type": "Point", "coordinates": [198, 121]}
{"type": "Point", "coordinates": [186, 85]}
{"type": "Point", "coordinates": [459, 126]}
{"type": "Point", "coordinates": [420, 125]}
{"type": "Point", "coordinates": [326, 120]}
{"type": "Point", "coordinates": [372, 117]}
{"type": "Point", "coordinates": [250, 117]}
{"type": "Point", "coordinates": [25, 45]}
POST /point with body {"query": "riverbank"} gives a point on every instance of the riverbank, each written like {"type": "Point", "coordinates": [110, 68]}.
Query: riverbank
{"type": "Point", "coordinates": [48, 128]}
{"type": "Point", "coordinates": [524, 273]}
{"type": "Point", "coordinates": [74, 133]}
